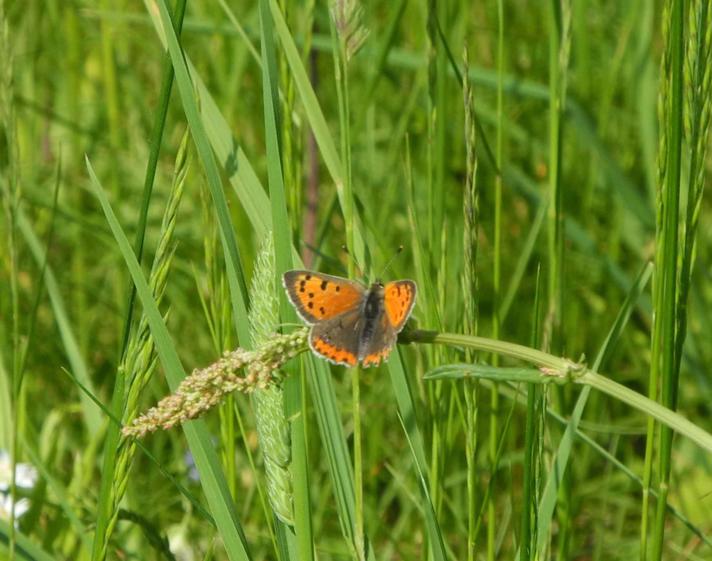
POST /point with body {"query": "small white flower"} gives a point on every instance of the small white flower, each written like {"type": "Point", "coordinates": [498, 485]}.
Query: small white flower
{"type": "Point", "coordinates": [21, 507]}
{"type": "Point", "coordinates": [179, 543]}
{"type": "Point", "coordinates": [25, 474]}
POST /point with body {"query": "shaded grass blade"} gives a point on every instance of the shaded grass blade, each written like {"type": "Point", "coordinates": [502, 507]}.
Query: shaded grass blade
{"type": "Point", "coordinates": [406, 409]}
{"type": "Point", "coordinates": [91, 415]}
{"type": "Point", "coordinates": [25, 548]}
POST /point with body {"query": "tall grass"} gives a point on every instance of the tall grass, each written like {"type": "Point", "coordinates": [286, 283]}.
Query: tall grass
{"type": "Point", "coordinates": [520, 183]}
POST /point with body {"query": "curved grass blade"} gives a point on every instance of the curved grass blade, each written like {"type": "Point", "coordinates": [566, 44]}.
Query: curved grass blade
{"type": "Point", "coordinates": [206, 459]}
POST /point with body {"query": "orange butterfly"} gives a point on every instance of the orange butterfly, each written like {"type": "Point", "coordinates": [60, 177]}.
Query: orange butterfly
{"type": "Point", "coordinates": [350, 322]}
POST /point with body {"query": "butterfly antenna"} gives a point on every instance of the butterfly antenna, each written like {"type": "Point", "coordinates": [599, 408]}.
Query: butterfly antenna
{"type": "Point", "coordinates": [353, 260]}
{"type": "Point", "coordinates": [390, 261]}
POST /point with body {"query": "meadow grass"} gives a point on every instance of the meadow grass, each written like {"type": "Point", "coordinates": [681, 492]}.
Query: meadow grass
{"type": "Point", "coordinates": [543, 166]}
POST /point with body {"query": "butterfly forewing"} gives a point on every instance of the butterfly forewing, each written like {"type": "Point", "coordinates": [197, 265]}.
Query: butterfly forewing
{"type": "Point", "coordinates": [398, 302]}
{"type": "Point", "coordinates": [319, 297]}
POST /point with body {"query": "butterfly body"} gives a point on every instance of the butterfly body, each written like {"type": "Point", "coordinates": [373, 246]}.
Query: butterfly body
{"type": "Point", "coordinates": [351, 323]}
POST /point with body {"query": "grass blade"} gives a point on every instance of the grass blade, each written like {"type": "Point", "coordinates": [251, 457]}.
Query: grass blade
{"type": "Point", "coordinates": [92, 417]}
{"type": "Point", "coordinates": [206, 459]}
{"type": "Point", "coordinates": [238, 289]}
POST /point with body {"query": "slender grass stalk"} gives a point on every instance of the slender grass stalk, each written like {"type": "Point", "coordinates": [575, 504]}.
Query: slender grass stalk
{"type": "Point", "coordinates": [470, 291]}
{"type": "Point", "coordinates": [299, 540]}
{"type": "Point", "coordinates": [11, 192]}
{"type": "Point", "coordinates": [532, 447]}
{"type": "Point", "coordinates": [291, 160]}
{"type": "Point", "coordinates": [660, 232]}
{"type": "Point", "coordinates": [348, 36]}
{"type": "Point", "coordinates": [675, 270]}
{"type": "Point", "coordinates": [496, 281]}
{"type": "Point", "coordinates": [665, 278]}
{"type": "Point", "coordinates": [559, 46]}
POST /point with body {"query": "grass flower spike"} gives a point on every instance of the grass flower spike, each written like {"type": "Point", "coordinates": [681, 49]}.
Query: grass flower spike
{"type": "Point", "coordinates": [238, 370]}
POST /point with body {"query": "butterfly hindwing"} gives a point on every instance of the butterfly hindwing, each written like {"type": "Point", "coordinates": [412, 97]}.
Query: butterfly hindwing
{"type": "Point", "coordinates": [380, 344]}
{"type": "Point", "coordinates": [398, 302]}
{"type": "Point", "coordinates": [337, 339]}
{"type": "Point", "coordinates": [318, 297]}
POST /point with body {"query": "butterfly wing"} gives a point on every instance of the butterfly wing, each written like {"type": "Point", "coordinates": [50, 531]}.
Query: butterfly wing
{"type": "Point", "coordinates": [380, 344]}
{"type": "Point", "coordinates": [337, 339]}
{"type": "Point", "coordinates": [398, 302]}
{"type": "Point", "coordinates": [318, 297]}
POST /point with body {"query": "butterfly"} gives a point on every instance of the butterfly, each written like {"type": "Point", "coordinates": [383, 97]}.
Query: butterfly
{"type": "Point", "coordinates": [351, 323]}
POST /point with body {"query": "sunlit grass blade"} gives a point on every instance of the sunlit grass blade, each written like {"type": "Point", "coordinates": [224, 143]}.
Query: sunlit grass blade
{"type": "Point", "coordinates": [238, 289]}
{"type": "Point", "coordinates": [212, 478]}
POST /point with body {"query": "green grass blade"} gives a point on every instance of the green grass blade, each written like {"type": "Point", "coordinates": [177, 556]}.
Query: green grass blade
{"type": "Point", "coordinates": [92, 416]}
{"type": "Point", "coordinates": [238, 289]}
{"type": "Point", "coordinates": [206, 459]}
{"type": "Point", "coordinates": [299, 546]}
{"type": "Point", "coordinates": [317, 121]}
{"type": "Point", "coordinates": [406, 411]}
{"type": "Point", "coordinates": [112, 440]}
{"type": "Point", "coordinates": [551, 490]}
